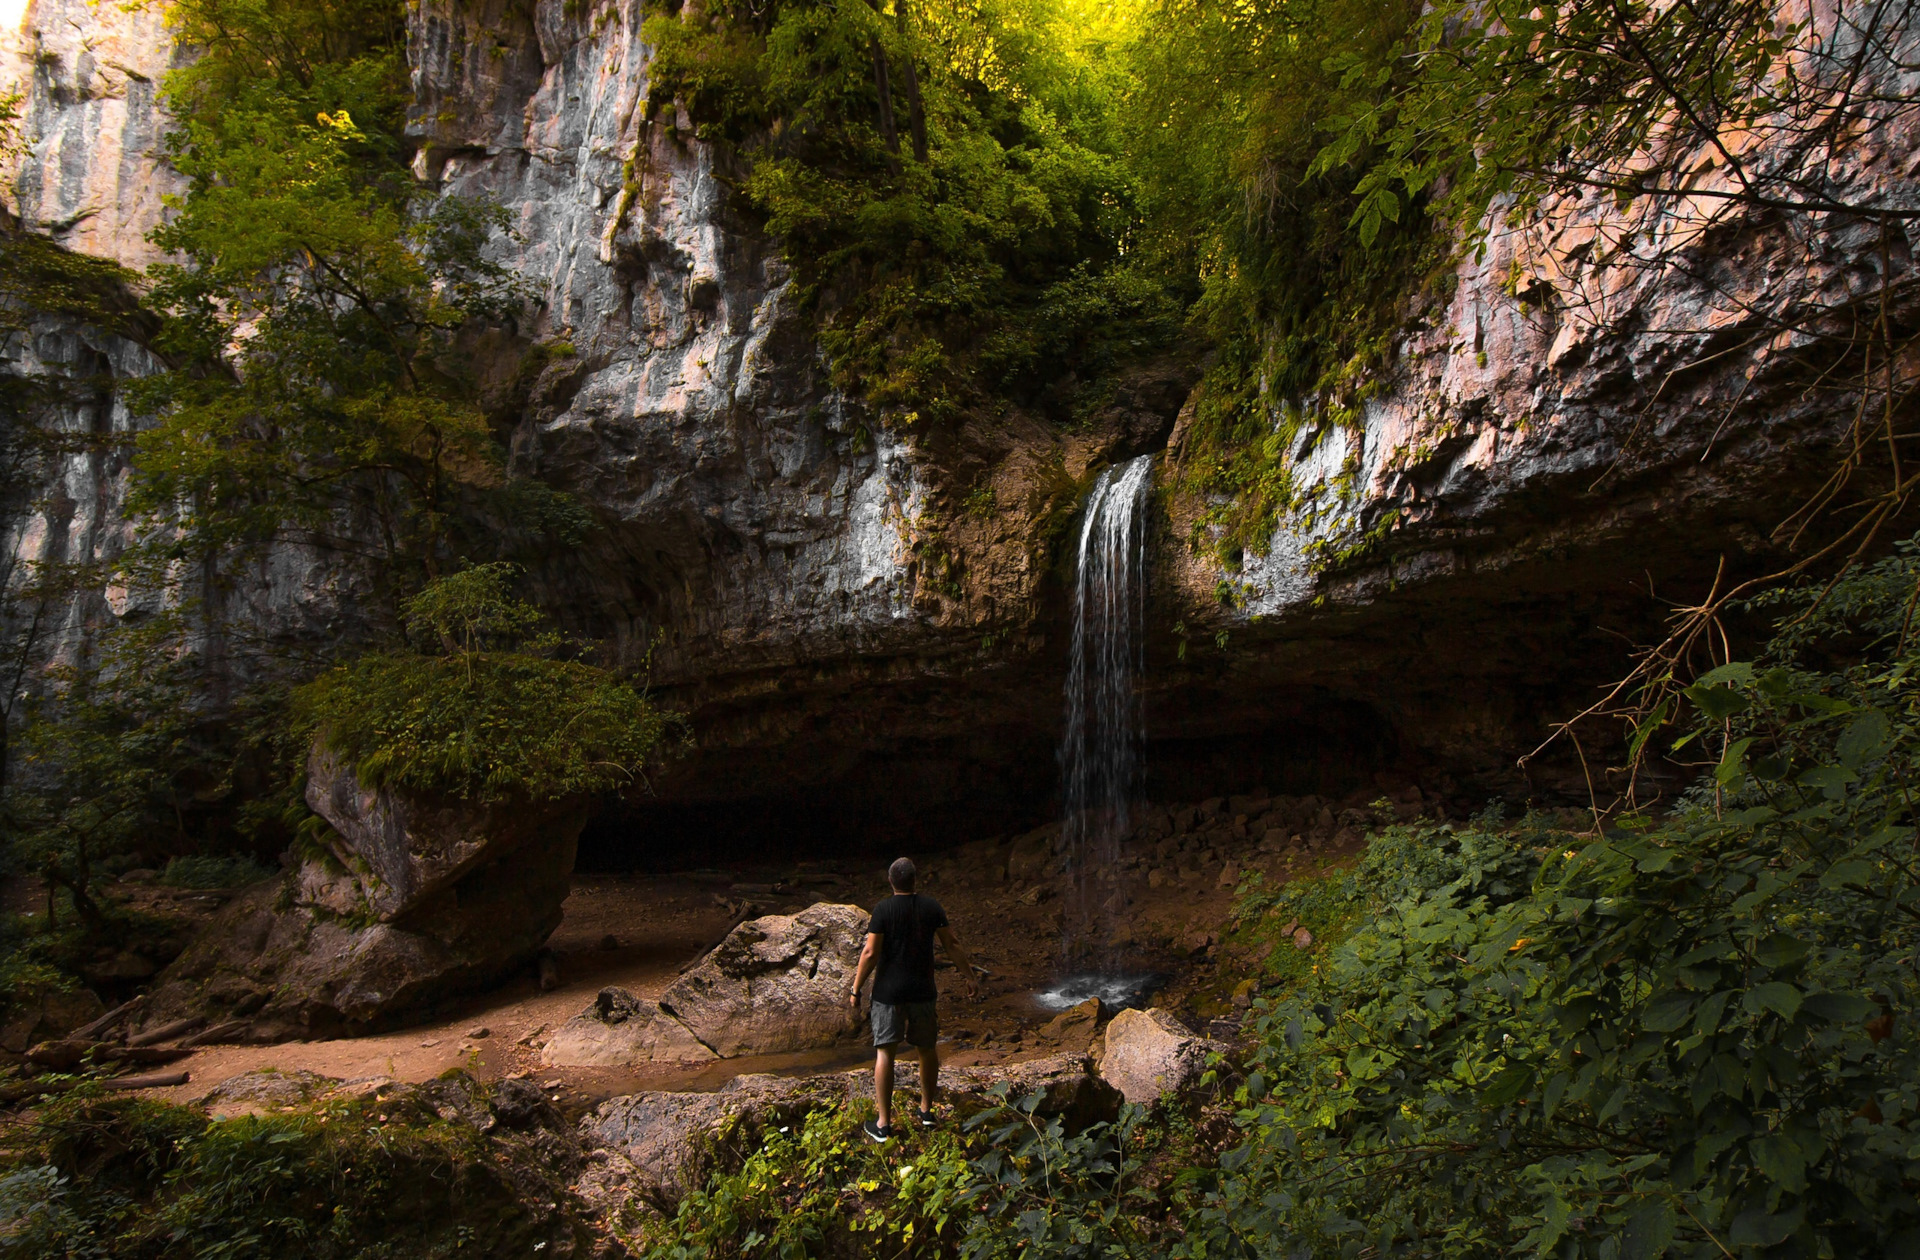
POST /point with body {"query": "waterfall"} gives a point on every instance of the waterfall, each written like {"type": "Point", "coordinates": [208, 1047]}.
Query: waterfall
{"type": "Point", "coordinates": [1099, 758]}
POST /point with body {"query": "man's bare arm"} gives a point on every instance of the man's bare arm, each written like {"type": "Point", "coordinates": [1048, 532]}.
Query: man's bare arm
{"type": "Point", "coordinates": [869, 956]}
{"type": "Point", "coordinates": [958, 953]}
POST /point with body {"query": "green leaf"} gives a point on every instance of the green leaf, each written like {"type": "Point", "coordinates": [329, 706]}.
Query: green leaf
{"type": "Point", "coordinates": [1866, 739]}
{"type": "Point", "coordinates": [1775, 995]}
{"type": "Point", "coordinates": [1838, 1008]}
{"type": "Point", "coordinates": [1649, 1231]}
{"type": "Point", "coordinates": [1507, 1086]}
{"type": "Point", "coordinates": [1717, 703]}
{"type": "Point", "coordinates": [1781, 1159]}
{"type": "Point", "coordinates": [1756, 1227]}
{"type": "Point", "coordinates": [1782, 950]}
{"type": "Point", "coordinates": [1852, 873]}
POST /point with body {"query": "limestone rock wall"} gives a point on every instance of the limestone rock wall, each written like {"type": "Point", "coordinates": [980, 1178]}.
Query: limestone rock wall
{"type": "Point", "coordinates": [843, 633]}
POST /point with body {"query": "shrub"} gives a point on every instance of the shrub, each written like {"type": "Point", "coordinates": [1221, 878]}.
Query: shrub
{"type": "Point", "coordinates": [1685, 1037]}
{"type": "Point", "coordinates": [491, 716]}
{"type": "Point", "coordinates": [365, 1180]}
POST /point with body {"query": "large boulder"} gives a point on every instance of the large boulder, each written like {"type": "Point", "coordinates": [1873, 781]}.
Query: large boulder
{"type": "Point", "coordinates": [417, 899]}
{"type": "Point", "coordinates": [1066, 1083]}
{"type": "Point", "coordinates": [1150, 1054]}
{"type": "Point", "coordinates": [43, 1012]}
{"type": "Point", "coordinates": [667, 1142]}
{"type": "Point", "coordinates": [619, 1028]}
{"type": "Point", "coordinates": [393, 852]}
{"type": "Point", "coordinates": [775, 984]}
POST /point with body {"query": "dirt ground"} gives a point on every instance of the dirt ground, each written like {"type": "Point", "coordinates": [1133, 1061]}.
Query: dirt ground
{"type": "Point", "coordinates": [637, 931]}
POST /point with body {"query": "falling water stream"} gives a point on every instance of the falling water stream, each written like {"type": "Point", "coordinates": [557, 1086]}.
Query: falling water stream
{"type": "Point", "coordinates": [1100, 756]}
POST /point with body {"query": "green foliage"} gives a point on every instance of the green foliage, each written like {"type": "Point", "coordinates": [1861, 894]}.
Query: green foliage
{"type": "Point", "coordinates": [1009, 1183]}
{"type": "Point", "coordinates": [202, 870]}
{"type": "Point", "coordinates": [493, 716]}
{"type": "Point", "coordinates": [314, 313]}
{"type": "Point", "coordinates": [150, 1181]}
{"type": "Point", "coordinates": [1629, 101]}
{"type": "Point", "coordinates": [112, 751]}
{"type": "Point", "coordinates": [984, 258]}
{"type": "Point", "coordinates": [1682, 1038]}
{"type": "Point", "coordinates": [1302, 306]}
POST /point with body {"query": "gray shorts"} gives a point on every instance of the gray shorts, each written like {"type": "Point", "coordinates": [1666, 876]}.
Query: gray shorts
{"type": "Point", "coordinates": [915, 1023]}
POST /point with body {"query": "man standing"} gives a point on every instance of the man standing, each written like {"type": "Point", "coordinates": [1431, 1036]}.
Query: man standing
{"type": "Point", "coordinates": [900, 941]}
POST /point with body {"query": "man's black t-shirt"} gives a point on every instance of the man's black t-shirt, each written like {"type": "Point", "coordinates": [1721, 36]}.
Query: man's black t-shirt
{"type": "Point", "coordinates": [906, 923]}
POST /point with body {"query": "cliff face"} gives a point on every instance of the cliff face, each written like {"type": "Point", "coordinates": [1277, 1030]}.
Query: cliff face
{"type": "Point", "coordinates": [856, 647]}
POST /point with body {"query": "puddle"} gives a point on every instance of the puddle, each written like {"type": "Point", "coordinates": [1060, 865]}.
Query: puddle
{"type": "Point", "coordinates": [1117, 992]}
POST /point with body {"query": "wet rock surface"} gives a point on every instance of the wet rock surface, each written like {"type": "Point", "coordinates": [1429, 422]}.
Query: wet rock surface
{"type": "Point", "coordinates": [620, 1029]}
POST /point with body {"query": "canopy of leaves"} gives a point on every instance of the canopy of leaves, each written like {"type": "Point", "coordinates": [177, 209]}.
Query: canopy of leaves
{"type": "Point", "coordinates": [1226, 125]}
{"type": "Point", "coordinates": [493, 716]}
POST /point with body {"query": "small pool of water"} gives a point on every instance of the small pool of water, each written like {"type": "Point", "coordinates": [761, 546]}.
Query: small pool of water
{"type": "Point", "coordinates": [1117, 992]}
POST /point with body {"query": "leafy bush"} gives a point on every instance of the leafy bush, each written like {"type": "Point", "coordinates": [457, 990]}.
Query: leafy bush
{"type": "Point", "coordinates": [142, 1180]}
{"type": "Point", "coordinates": [1010, 1182]}
{"type": "Point", "coordinates": [1684, 1037]}
{"type": "Point", "coordinates": [948, 186]}
{"type": "Point", "coordinates": [481, 719]}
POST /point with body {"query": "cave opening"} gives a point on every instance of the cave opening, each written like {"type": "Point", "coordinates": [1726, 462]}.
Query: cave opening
{"type": "Point", "coordinates": [931, 799]}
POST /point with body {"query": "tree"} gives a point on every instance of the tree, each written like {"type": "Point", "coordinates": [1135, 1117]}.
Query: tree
{"type": "Point", "coordinates": [315, 315]}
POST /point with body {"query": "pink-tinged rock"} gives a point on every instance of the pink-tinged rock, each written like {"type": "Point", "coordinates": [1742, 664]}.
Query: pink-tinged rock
{"type": "Point", "coordinates": [1150, 1054]}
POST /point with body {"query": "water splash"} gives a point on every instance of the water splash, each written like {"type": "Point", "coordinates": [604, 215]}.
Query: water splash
{"type": "Point", "coordinates": [1099, 758]}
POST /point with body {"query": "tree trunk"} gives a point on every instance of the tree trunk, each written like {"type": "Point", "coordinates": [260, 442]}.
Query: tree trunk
{"type": "Point", "coordinates": [888, 132]}
{"type": "Point", "coordinates": [916, 116]}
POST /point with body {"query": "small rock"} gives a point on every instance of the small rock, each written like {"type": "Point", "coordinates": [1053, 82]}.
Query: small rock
{"type": "Point", "coordinates": [480, 1033]}
{"type": "Point", "coordinates": [1302, 939]}
{"type": "Point", "coordinates": [533, 1036]}
{"type": "Point", "coordinates": [1035, 895]}
{"type": "Point", "coordinates": [1073, 1027]}
{"type": "Point", "coordinates": [1229, 876]}
{"type": "Point", "coordinates": [1157, 877]}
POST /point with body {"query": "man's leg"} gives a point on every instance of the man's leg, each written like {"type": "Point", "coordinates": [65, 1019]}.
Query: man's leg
{"type": "Point", "coordinates": [883, 1085]}
{"type": "Point", "coordinates": [929, 1076]}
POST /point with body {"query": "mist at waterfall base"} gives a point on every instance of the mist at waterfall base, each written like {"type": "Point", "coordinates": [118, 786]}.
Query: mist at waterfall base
{"type": "Point", "coordinates": [1100, 752]}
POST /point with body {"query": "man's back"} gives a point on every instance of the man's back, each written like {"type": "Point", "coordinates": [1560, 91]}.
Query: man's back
{"type": "Point", "coordinates": [906, 924]}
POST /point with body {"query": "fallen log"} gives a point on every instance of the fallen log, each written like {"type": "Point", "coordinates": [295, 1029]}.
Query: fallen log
{"type": "Point", "coordinates": [153, 1080]}
{"type": "Point", "coordinates": [112, 1017]}
{"type": "Point", "coordinates": [22, 1090]}
{"type": "Point", "coordinates": [69, 1054]}
{"type": "Point", "coordinates": [219, 1032]}
{"type": "Point", "coordinates": [167, 1031]}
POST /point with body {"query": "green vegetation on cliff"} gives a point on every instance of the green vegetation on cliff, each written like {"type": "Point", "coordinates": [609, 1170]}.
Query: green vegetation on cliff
{"type": "Point", "coordinates": [485, 711]}
{"type": "Point", "coordinates": [949, 182]}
